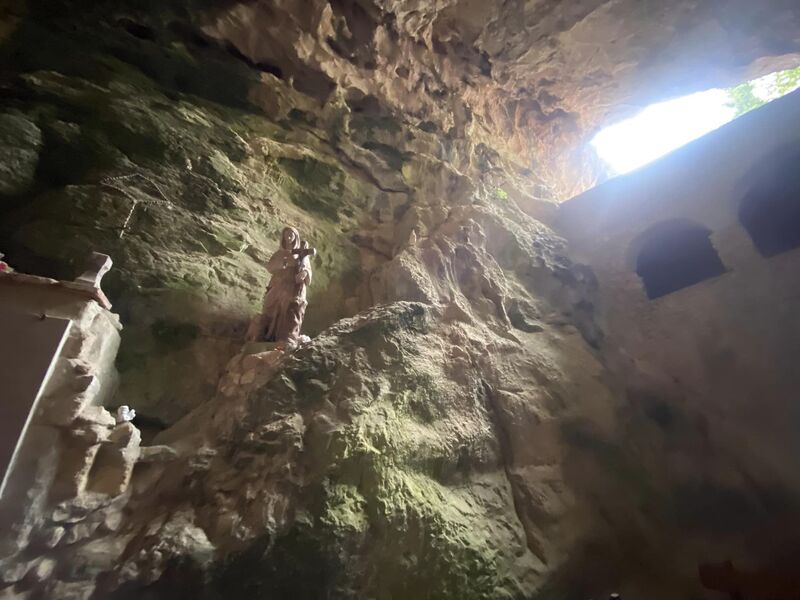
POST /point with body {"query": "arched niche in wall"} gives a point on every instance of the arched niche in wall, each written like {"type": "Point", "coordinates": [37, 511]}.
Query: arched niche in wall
{"type": "Point", "coordinates": [673, 255]}
{"type": "Point", "coordinates": [770, 211]}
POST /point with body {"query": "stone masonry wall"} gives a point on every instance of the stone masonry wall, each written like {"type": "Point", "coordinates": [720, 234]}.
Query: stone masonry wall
{"type": "Point", "coordinates": [715, 361]}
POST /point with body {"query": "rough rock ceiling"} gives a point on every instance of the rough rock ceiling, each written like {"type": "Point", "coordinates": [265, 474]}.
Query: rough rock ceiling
{"type": "Point", "coordinates": [524, 77]}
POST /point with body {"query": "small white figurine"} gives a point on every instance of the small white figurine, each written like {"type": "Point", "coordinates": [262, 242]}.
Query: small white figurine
{"type": "Point", "coordinates": [125, 413]}
{"type": "Point", "coordinates": [4, 267]}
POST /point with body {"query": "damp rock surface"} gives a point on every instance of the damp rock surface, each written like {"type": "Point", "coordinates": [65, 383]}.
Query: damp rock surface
{"type": "Point", "coordinates": [452, 431]}
{"type": "Point", "coordinates": [20, 143]}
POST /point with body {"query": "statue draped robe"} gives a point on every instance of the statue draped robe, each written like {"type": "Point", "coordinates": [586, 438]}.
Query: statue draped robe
{"type": "Point", "coordinates": [285, 299]}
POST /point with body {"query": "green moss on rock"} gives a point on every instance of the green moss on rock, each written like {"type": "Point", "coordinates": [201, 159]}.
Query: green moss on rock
{"type": "Point", "coordinates": [20, 144]}
{"type": "Point", "coordinates": [316, 186]}
{"type": "Point", "coordinates": [389, 507]}
{"type": "Point", "coordinates": [127, 134]}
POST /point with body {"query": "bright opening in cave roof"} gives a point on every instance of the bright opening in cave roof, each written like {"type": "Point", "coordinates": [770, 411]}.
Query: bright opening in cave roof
{"type": "Point", "coordinates": [666, 126]}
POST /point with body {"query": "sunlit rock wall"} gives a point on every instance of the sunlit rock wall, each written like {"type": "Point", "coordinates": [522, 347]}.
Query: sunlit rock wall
{"type": "Point", "coordinates": [187, 192]}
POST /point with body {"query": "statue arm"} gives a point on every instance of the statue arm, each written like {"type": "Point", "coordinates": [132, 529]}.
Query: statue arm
{"type": "Point", "coordinates": [303, 275]}
{"type": "Point", "coordinates": [277, 261]}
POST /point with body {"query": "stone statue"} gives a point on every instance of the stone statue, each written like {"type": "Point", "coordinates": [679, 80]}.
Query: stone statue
{"type": "Point", "coordinates": [285, 299]}
{"type": "Point", "coordinates": [125, 413]}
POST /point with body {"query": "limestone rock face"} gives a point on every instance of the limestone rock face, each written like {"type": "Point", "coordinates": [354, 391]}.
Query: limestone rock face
{"type": "Point", "coordinates": [451, 431]}
{"type": "Point", "coordinates": [529, 79]}
{"type": "Point", "coordinates": [20, 142]}
{"type": "Point", "coordinates": [404, 452]}
{"type": "Point", "coordinates": [186, 136]}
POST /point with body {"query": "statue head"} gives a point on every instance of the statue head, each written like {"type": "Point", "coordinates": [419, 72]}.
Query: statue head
{"type": "Point", "coordinates": [290, 238]}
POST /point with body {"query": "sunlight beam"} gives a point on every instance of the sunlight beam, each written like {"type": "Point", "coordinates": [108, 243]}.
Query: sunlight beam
{"type": "Point", "coordinates": [661, 128]}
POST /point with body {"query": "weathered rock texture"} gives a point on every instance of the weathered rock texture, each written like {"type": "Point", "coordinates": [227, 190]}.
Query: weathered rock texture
{"type": "Point", "coordinates": [185, 135]}
{"type": "Point", "coordinates": [456, 435]}
{"type": "Point", "coordinates": [527, 79]}
{"type": "Point", "coordinates": [420, 449]}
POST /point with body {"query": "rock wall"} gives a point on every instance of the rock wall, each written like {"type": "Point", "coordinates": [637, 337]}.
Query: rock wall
{"type": "Point", "coordinates": [420, 449]}
{"type": "Point", "coordinates": [185, 136]}
{"type": "Point", "coordinates": [531, 80]}
{"type": "Point", "coordinates": [452, 430]}
{"type": "Point", "coordinates": [186, 192]}
{"type": "Point", "coordinates": [391, 456]}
